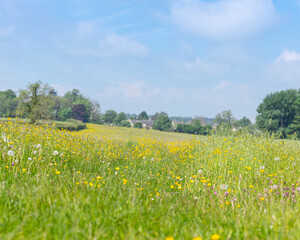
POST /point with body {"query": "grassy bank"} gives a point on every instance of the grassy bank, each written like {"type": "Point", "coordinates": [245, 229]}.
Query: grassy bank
{"type": "Point", "coordinates": [61, 185]}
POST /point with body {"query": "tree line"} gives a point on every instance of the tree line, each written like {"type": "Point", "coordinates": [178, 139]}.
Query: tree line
{"type": "Point", "coordinates": [278, 113]}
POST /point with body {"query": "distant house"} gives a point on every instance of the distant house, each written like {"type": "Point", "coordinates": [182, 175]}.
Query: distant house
{"type": "Point", "coordinates": [146, 123]}
{"type": "Point", "coordinates": [175, 123]}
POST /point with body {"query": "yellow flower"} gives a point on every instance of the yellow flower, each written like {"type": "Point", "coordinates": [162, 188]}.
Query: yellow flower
{"type": "Point", "coordinates": [215, 237]}
{"type": "Point", "coordinates": [57, 172]}
{"type": "Point", "coordinates": [197, 238]}
{"type": "Point", "coordinates": [117, 168]}
{"type": "Point", "coordinates": [262, 198]}
{"type": "Point", "coordinates": [169, 238]}
{"type": "Point", "coordinates": [238, 206]}
{"type": "Point", "coordinates": [251, 186]}
{"type": "Point", "coordinates": [172, 186]}
{"type": "Point", "coordinates": [24, 170]}
{"type": "Point", "coordinates": [261, 170]}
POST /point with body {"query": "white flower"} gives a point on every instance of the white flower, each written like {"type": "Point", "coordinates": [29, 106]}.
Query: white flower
{"type": "Point", "coordinates": [38, 146]}
{"type": "Point", "coordinates": [34, 152]}
{"type": "Point", "coordinates": [10, 153]}
{"type": "Point", "coordinates": [30, 159]}
{"type": "Point", "coordinates": [200, 171]}
{"type": "Point", "coordinates": [223, 186]}
{"type": "Point", "coordinates": [16, 161]}
{"type": "Point", "coordinates": [5, 139]}
{"type": "Point", "coordinates": [277, 158]}
{"type": "Point", "coordinates": [262, 167]}
{"type": "Point", "coordinates": [55, 153]}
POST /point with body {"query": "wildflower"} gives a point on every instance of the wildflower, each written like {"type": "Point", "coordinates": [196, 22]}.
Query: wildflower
{"type": "Point", "coordinates": [34, 152]}
{"type": "Point", "coordinates": [215, 237]}
{"type": "Point", "coordinates": [197, 238]}
{"type": "Point", "coordinates": [30, 159]}
{"type": "Point", "coordinates": [38, 146]}
{"type": "Point", "coordinates": [262, 199]}
{"type": "Point", "coordinates": [24, 170]}
{"type": "Point", "coordinates": [10, 153]}
{"type": "Point", "coordinates": [57, 172]}
{"type": "Point", "coordinates": [262, 167]}
{"type": "Point", "coordinates": [238, 206]}
{"type": "Point", "coordinates": [200, 171]}
{"type": "Point", "coordinates": [55, 153]}
{"type": "Point", "coordinates": [277, 158]}
{"type": "Point", "coordinates": [169, 238]}
{"type": "Point", "coordinates": [117, 168]}
{"type": "Point", "coordinates": [223, 186]}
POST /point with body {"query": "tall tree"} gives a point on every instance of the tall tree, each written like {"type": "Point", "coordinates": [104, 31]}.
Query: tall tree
{"type": "Point", "coordinates": [109, 116]}
{"type": "Point", "coordinates": [225, 118]}
{"type": "Point", "coordinates": [162, 123]}
{"type": "Point", "coordinates": [8, 103]}
{"type": "Point", "coordinates": [278, 110]}
{"type": "Point", "coordinates": [143, 116]}
{"type": "Point", "coordinates": [34, 101]}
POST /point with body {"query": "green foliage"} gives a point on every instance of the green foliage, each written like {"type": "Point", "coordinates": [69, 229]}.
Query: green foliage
{"type": "Point", "coordinates": [120, 117]}
{"type": "Point", "coordinates": [34, 101]}
{"type": "Point", "coordinates": [109, 116]}
{"type": "Point", "coordinates": [143, 116]}
{"type": "Point", "coordinates": [195, 128]}
{"type": "Point", "coordinates": [71, 125]}
{"type": "Point", "coordinates": [244, 122]}
{"type": "Point", "coordinates": [124, 123]}
{"type": "Point", "coordinates": [79, 112]}
{"type": "Point", "coordinates": [138, 125]}
{"type": "Point", "coordinates": [225, 118]}
{"type": "Point", "coordinates": [162, 123]}
{"type": "Point", "coordinates": [8, 103]}
{"type": "Point", "coordinates": [278, 111]}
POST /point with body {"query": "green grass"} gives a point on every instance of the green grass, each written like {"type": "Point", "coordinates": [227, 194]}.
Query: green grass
{"type": "Point", "coordinates": [76, 185]}
{"type": "Point", "coordinates": [129, 133]}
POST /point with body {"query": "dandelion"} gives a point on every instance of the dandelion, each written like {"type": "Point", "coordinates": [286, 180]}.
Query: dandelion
{"type": "Point", "coordinates": [10, 153]}
{"type": "Point", "coordinates": [169, 238]}
{"type": "Point", "coordinates": [200, 171]}
{"type": "Point", "coordinates": [57, 172]}
{"type": "Point", "coordinates": [215, 237]}
{"type": "Point", "coordinates": [55, 153]}
{"type": "Point", "coordinates": [197, 238]}
{"type": "Point", "coordinates": [277, 158]}
{"type": "Point", "coordinates": [38, 146]}
{"type": "Point", "coordinates": [34, 152]}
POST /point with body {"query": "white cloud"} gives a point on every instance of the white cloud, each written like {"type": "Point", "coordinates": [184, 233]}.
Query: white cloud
{"type": "Point", "coordinates": [88, 40]}
{"type": "Point", "coordinates": [223, 19]}
{"type": "Point", "coordinates": [129, 90]}
{"type": "Point", "coordinates": [285, 69]}
{"type": "Point", "coordinates": [288, 56]}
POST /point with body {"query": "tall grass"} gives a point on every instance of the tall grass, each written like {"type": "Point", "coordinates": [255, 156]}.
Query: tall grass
{"type": "Point", "coordinates": [61, 185]}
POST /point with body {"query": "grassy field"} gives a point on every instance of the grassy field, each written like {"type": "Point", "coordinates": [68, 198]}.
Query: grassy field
{"type": "Point", "coordinates": [134, 133]}
{"type": "Point", "coordinates": [81, 185]}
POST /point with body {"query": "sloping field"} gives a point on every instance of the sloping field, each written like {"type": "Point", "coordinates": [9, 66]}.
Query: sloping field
{"type": "Point", "coordinates": [130, 133]}
{"type": "Point", "coordinates": [73, 185]}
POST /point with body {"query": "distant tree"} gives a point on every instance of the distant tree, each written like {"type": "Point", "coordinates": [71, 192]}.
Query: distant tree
{"type": "Point", "coordinates": [95, 111]}
{"type": "Point", "coordinates": [185, 128]}
{"type": "Point", "coordinates": [138, 125]}
{"type": "Point", "coordinates": [225, 118]}
{"type": "Point", "coordinates": [197, 126]}
{"type": "Point", "coordinates": [205, 130]}
{"type": "Point", "coordinates": [34, 101]}
{"type": "Point", "coordinates": [162, 123]}
{"type": "Point", "coordinates": [109, 116]}
{"type": "Point", "coordinates": [120, 117]}
{"type": "Point", "coordinates": [143, 116]}
{"type": "Point", "coordinates": [244, 122]}
{"type": "Point", "coordinates": [278, 111]}
{"type": "Point", "coordinates": [124, 123]}
{"type": "Point", "coordinates": [155, 116]}
{"type": "Point", "coordinates": [8, 103]}
{"type": "Point", "coordinates": [79, 112]}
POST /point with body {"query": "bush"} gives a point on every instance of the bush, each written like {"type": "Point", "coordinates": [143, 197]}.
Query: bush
{"type": "Point", "coordinates": [138, 125]}
{"type": "Point", "coordinates": [124, 123]}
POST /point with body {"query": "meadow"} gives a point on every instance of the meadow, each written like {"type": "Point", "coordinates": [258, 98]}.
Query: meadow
{"type": "Point", "coordinates": [88, 185]}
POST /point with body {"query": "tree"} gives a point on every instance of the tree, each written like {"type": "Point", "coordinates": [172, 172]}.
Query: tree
{"type": "Point", "coordinates": [79, 112]}
{"type": "Point", "coordinates": [138, 125]}
{"type": "Point", "coordinates": [124, 123]}
{"type": "Point", "coordinates": [225, 118]}
{"type": "Point", "coordinates": [34, 102]}
{"type": "Point", "coordinates": [143, 116]}
{"type": "Point", "coordinates": [244, 122]}
{"type": "Point", "coordinates": [197, 126]}
{"type": "Point", "coordinates": [120, 117]}
{"type": "Point", "coordinates": [109, 116]}
{"type": "Point", "coordinates": [162, 123]}
{"type": "Point", "coordinates": [278, 110]}
{"type": "Point", "coordinates": [8, 103]}
{"type": "Point", "coordinates": [95, 112]}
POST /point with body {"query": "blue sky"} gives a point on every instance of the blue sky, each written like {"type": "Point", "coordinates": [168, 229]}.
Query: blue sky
{"type": "Point", "coordinates": [185, 57]}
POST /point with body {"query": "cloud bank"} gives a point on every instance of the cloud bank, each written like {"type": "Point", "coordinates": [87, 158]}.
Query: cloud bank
{"type": "Point", "coordinates": [223, 19]}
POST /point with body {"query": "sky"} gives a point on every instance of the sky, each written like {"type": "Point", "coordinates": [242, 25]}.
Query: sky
{"type": "Point", "coordinates": [184, 57]}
